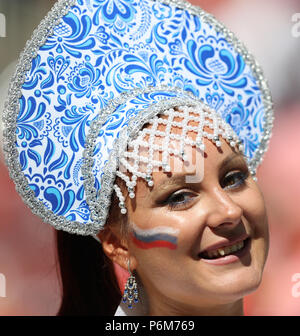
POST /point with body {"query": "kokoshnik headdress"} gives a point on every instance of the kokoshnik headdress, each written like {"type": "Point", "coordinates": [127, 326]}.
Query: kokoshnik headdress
{"type": "Point", "coordinates": [95, 72]}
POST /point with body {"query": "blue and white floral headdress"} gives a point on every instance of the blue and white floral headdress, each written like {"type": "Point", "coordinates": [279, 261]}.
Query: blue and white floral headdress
{"type": "Point", "coordinates": [94, 72]}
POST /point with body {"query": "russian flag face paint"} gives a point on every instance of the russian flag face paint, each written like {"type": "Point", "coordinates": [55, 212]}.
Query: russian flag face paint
{"type": "Point", "coordinates": [160, 236]}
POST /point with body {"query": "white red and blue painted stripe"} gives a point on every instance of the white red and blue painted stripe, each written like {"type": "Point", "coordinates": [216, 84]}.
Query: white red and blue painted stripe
{"type": "Point", "coordinates": [160, 236]}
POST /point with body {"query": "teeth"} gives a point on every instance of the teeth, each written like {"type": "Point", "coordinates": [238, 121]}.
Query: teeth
{"type": "Point", "coordinates": [221, 251]}
{"type": "Point", "coordinates": [225, 250]}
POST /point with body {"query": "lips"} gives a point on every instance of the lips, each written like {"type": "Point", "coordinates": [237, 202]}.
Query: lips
{"type": "Point", "coordinates": [223, 247]}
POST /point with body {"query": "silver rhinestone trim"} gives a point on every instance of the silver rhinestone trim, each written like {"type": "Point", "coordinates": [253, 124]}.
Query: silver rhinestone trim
{"type": "Point", "coordinates": [11, 110]}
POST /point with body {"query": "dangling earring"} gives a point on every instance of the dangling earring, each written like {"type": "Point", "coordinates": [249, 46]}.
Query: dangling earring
{"type": "Point", "coordinates": [131, 291]}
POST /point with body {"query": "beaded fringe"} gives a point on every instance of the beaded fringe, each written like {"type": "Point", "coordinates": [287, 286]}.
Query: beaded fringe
{"type": "Point", "coordinates": [201, 115]}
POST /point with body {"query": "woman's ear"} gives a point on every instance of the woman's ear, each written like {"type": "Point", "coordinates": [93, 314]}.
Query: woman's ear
{"type": "Point", "coordinates": [116, 248]}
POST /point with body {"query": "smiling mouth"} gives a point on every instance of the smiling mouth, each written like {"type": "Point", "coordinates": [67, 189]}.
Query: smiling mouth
{"type": "Point", "coordinates": [221, 252]}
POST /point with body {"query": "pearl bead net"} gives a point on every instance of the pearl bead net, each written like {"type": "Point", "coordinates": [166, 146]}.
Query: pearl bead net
{"type": "Point", "coordinates": [193, 118]}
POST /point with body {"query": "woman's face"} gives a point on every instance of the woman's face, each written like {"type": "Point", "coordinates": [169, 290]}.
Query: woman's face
{"type": "Point", "coordinates": [178, 228]}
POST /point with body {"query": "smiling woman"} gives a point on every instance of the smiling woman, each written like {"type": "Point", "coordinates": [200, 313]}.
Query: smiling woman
{"type": "Point", "coordinates": [210, 238]}
{"type": "Point", "coordinates": [141, 124]}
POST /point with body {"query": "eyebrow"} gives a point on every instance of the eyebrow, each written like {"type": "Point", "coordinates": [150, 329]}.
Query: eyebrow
{"type": "Point", "coordinates": [180, 178]}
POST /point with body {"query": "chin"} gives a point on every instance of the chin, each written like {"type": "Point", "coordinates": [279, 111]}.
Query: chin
{"type": "Point", "coordinates": [236, 284]}
{"type": "Point", "coordinates": [246, 280]}
{"type": "Point", "coordinates": [242, 284]}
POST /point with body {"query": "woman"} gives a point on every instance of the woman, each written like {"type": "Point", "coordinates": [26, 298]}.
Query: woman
{"type": "Point", "coordinates": [129, 128]}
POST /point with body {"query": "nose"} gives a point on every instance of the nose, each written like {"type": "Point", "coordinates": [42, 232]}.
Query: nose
{"type": "Point", "coordinates": [223, 210]}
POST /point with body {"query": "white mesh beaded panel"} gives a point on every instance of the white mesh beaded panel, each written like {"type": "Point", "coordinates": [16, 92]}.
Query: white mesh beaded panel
{"type": "Point", "coordinates": [187, 118]}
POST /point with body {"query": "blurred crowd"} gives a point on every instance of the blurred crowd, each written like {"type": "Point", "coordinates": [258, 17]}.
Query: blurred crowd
{"type": "Point", "coordinates": [27, 246]}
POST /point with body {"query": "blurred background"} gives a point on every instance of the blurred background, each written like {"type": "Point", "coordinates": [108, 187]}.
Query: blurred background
{"type": "Point", "coordinates": [27, 246]}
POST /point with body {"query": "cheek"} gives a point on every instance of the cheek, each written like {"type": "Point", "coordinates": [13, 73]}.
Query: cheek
{"type": "Point", "coordinates": [255, 213]}
{"type": "Point", "coordinates": [254, 205]}
{"type": "Point", "coordinates": [155, 243]}
{"type": "Point", "coordinates": [162, 236]}
{"type": "Point", "coordinates": [149, 230]}
{"type": "Point", "coordinates": [157, 264]}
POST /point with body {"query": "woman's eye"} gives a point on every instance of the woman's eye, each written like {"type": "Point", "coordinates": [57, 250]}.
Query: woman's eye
{"type": "Point", "coordinates": [235, 180]}
{"type": "Point", "coordinates": [179, 200]}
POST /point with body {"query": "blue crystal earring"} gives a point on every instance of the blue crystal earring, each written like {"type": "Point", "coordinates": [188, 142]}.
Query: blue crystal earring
{"type": "Point", "coordinates": [131, 292]}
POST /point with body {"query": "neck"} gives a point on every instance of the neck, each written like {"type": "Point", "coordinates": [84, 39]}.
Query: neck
{"type": "Point", "coordinates": [161, 308]}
